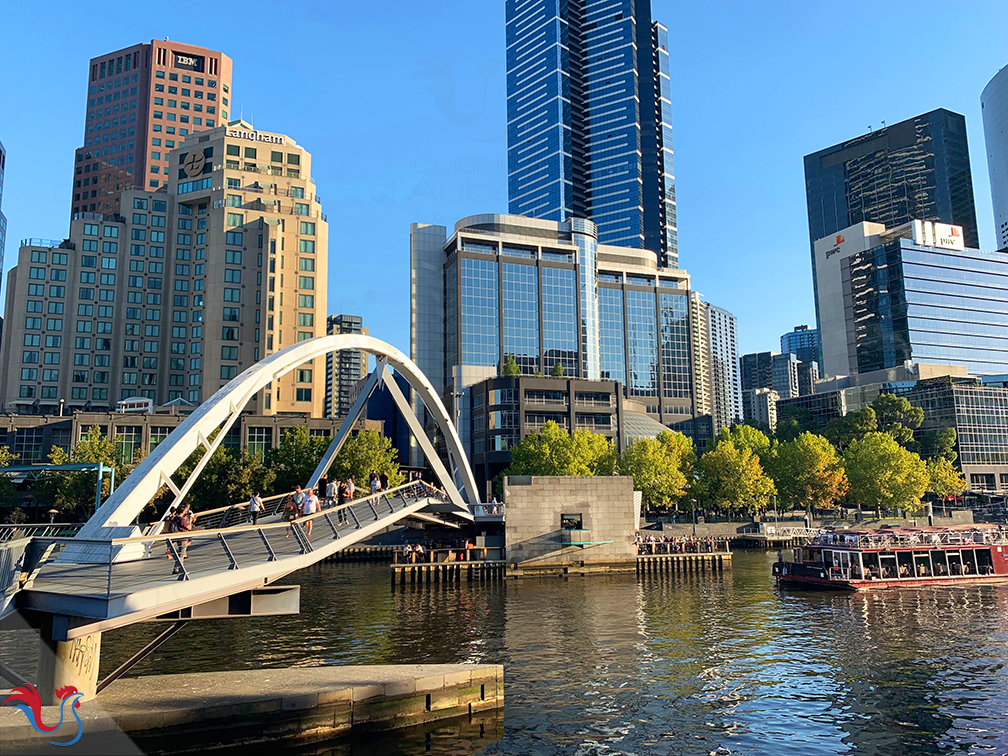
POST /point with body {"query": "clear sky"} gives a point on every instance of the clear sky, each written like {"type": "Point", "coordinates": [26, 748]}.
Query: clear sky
{"type": "Point", "coordinates": [402, 105]}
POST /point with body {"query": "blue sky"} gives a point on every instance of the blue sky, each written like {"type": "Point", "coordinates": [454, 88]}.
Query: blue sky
{"type": "Point", "coordinates": [402, 105]}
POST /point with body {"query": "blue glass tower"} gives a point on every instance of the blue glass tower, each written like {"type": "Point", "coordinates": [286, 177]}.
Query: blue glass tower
{"type": "Point", "coordinates": [590, 120]}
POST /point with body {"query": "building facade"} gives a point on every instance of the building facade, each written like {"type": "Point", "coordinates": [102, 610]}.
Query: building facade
{"type": "Point", "coordinates": [505, 410]}
{"type": "Point", "coordinates": [3, 218]}
{"type": "Point", "coordinates": [717, 388]}
{"type": "Point", "coordinates": [197, 280]}
{"type": "Point", "coordinates": [143, 101]}
{"type": "Point", "coordinates": [772, 371]}
{"type": "Point", "coordinates": [994, 106]}
{"type": "Point", "coordinates": [926, 170]}
{"type": "Point", "coordinates": [808, 374]}
{"type": "Point", "coordinates": [803, 343]}
{"type": "Point", "coordinates": [343, 369]}
{"type": "Point", "coordinates": [590, 120]}
{"type": "Point", "coordinates": [760, 406]}
{"type": "Point", "coordinates": [914, 292]}
{"type": "Point", "coordinates": [506, 286]}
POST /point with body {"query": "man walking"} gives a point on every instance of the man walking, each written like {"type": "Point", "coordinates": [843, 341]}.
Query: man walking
{"type": "Point", "coordinates": [255, 507]}
{"type": "Point", "coordinates": [310, 507]}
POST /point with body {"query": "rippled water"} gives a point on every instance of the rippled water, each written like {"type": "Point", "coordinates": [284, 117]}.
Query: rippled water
{"type": "Point", "coordinates": [621, 665]}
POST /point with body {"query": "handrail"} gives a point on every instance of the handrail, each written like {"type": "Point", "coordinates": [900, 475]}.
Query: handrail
{"type": "Point", "coordinates": [886, 539]}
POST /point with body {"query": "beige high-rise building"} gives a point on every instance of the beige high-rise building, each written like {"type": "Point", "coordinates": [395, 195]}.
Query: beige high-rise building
{"type": "Point", "coordinates": [142, 102]}
{"type": "Point", "coordinates": [182, 290]}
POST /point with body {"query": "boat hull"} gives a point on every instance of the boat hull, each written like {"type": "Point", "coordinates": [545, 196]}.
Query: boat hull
{"type": "Point", "coordinates": [820, 584]}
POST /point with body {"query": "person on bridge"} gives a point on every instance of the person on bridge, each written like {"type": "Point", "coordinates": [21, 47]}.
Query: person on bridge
{"type": "Point", "coordinates": [299, 497]}
{"type": "Point", "coordinates": [255, 507]}
{"type": "Point", "coordinates": [331, 492]}
{"type": "Point", "coordinates": [290, 512]}
{"type": "Point", "coordinates": [383, 482]}
{"type": "Point", "coordinates": [374, 482]}
{"type": "Point", "coordinates": [310, 507]}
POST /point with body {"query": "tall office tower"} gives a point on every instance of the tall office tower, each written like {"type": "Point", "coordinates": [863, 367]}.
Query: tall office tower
{"type": "Point", "coordinates": [505, 285]}
{"type": "Point", "coordinates": [994, 106]}
{"type": "Point", "coordinates": [770, 370]}
{"type": "Point", "coordinates": [803, 343]}
{"type": "Point", "coordinates": [142, 101]}
{"type": "Point", "coordinates": [193, 283]}
{"type": "Point", "coordinates": [3, 218]}
{"type": "Point", "coordinates": [343, 369]}
{"type": "Point", "coordinates": [700, 356]}
{"type": "Point", "coordinates": [914, 292]}
{"type": "Point", "coordinates": [808, 374]}
{"type": "Point", "coordinates": [590, 120]}
{"type": "Point", "coordinates": [724, 367]}
{"type": "Point", "coordinates": [915, 169]}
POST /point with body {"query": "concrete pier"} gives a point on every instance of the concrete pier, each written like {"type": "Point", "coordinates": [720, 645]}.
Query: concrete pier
{"type": "Point", "coordinates": [702, 563]}
{"type": "Point", "coordinates": [288, 707]}
{"type": "Point", "coordinates": [449, 573]}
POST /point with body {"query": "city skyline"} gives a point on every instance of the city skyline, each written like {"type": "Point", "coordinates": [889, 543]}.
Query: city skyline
{"type": "Point", "coordinates": [448, 159]}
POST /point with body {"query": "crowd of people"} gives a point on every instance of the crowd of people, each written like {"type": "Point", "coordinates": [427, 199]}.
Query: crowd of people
{"type": "Point", "coordinates": [458, 549]}
{"type": "Point", "coordinates": [663, 544]}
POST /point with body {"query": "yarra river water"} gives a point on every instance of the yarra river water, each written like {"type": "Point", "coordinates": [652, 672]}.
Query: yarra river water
{"type": "Point", "coordinates": [621, 665]}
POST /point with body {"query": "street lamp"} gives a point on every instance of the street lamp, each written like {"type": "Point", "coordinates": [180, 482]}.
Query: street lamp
{"type": "Point", "coordinates": [52, 515]}
{"type": "Point", "coordinates": [693, 502]}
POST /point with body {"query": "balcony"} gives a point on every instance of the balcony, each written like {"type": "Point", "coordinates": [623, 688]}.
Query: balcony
{"type": "Point", "coordinates": [48, 243]}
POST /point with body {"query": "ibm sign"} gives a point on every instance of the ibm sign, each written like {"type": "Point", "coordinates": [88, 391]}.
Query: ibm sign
{"type": "Point", "coordinates": [189, 62]}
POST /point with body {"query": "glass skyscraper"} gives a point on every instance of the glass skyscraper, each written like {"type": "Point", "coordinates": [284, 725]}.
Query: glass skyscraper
{"type": "Point", "coordinates": [917, 169]}
{"type": "Point", "coordinates": [803, 343]}
{"type": "Point", "coordinates": [3, 219]}
{"type": "Point", "coordinates": [994, 106]}
{"type": "Point", "coordinates": [590, 120]}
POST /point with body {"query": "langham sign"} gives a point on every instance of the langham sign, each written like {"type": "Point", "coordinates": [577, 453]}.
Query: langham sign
{"type": "Point", "coordinates": [255, 136]}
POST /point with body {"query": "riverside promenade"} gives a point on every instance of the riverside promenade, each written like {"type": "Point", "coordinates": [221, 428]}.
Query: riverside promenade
{"type": "Point", "coordinates": [286, 707]}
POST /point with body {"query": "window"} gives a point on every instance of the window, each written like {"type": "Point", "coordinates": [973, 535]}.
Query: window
{"type": "Point", "coordinates": [306, 319]}
{"type": "Point", "coordinates": [234, 238]}
{"type": "Point", "coordinates": [306, 282]}
{"type": "Point", "coordinates": [306, 263]}
{"type": "Point", "coordinates": [232, 275]}
{"type": "Point", "coordinates": [233, 257]}
{"type": "Point", "coordinates": [229, 353]}
{"type": "Point", "coordinates": [304, 335]}
{"type": "Point", "coordinates": [233, 200]}
{"type": "Point", "coordinates": [306, 246]}
{"type": "Point", "coordinates": [250, 152]}
{"type": "Point", "coordinates": [307, 227]}
{"type": "Point", "coordinates": [302, 394]}
{"type": "Point", "coordinates": [306, 300]}
{"type": "Point", "coordinates": [227, 372]}
{"type": "Point", "coordinates": [235, 219]}
{"type": "Point", "coordinates": [303, 376]}
{"type": "Point", "coordinates": [33, 323]}
{"type": "Point", "coordinates": [229, 333]}
{"type": "Point", "coordinates": [293, 159]}
{"type": "Point", "coordinates": [232, 295]}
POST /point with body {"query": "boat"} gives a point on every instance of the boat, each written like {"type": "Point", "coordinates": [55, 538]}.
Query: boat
{"type": "Point", "coordinates": [897, 557]}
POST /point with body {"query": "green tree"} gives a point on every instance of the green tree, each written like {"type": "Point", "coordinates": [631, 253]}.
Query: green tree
{"type": "Point", "coordinates": [733, 479]}
{"type": "Point", "coordinates": [939, 443]}
{"type": "Point", "coordinates": [73, 494]}
{"type": "Point", "coordinates": [841, 431]}
{"type": "Point", "coordinates": [792, 422]}
{"type": "Point", "coordinates": [295, 457]}
{"type": "Point", "coordinates": [554, 451]}
{"type": "Point", "coordinates": [746, 437]}
{"type": "Point", "coordinates": [6, 457]}
{"type": "Point", "coordinates": [897, 417]}
{"type": "Point", "coordinates": [9, 497]}
{"type": "Point", "coordinates": [662, 468]}
{"type": "Point", "coordinates": [884, 474]}
{"type": "Point", "coordinates": [807, 472]}
{"type": "Point", "coordinates": [230, 476]}
{"type": "Point", "coordinates": [558, 370]}
{"type": "Point", "coordinates": [944, 481]}
{"type": "Point", "coordinates": [510, 367]}
{"type": "Point", "coordinates": [369, 451]}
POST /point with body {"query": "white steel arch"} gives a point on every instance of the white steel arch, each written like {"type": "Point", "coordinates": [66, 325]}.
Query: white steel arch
{"type": "Point", "coordinates": [224, 407]}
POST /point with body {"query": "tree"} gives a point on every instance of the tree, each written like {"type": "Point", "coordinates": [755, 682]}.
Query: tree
{"type": "Point", "coordinates": [841, 431]}
{"type": "Point", "coordinates": [369, 451]}
{"type": "Point", "coordinates": [230, 476]}
{"type": "Point", "coordinates": [944, 481]}
{"type": "Point", "coordinates": [6, 456]}
{"type": "Point", "coordinates": [939, 443]}
{"type": "Point", "coordinates": [884, 474]}
{"type": "Point", "coordinates": [662, 468]}
{"type": "Point", "coordinates": [808, 472]}
{"type": "Point", "coordinates": [746, 437]}
{"type": "Point", "coordinates": [558, 370]}
{"type": "Point", "coordinates": [296, 457]}
{"type": "Point", "coordinates": [510, 367]}
{"type": "Point", "coordinates": [897, 417]}
{"type": "Point", "coordinates": [554, 451]}
{"type": "Point", "coordinates": [733, 479]}
{"type": "Point", "coordinates": [73, 494]}
{"type": "Point", "coordinates": [791, 422]}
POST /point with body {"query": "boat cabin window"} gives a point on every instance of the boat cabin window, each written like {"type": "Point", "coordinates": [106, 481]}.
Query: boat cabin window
{"type": "Point", "coordinates": [922, 564]}
{"type": "Point", "coordinates": [985, 563]}
{"type": "Point", "coordinates": [871, 565]}
{"type": "Point", "coordinates": [939, 560]}
{"type": "Point", "coordinates": [904, 564]}
{"type": "Point", "coordinates": [887, 563]}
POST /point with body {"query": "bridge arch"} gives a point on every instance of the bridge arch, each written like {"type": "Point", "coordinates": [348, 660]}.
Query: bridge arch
{"type": "Point", "coordinates": [222, 409]}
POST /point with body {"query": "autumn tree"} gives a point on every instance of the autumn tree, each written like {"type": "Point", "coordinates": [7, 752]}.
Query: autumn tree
{"type": "Point", "coordinates": [733, 479]}
{"type": "Point", "coordinates": [882, 473]}
{"type": "Point", "coordinates": [807, 472]}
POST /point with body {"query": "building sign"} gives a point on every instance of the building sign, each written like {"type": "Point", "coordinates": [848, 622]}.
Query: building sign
{"type": "Point", "coordinates": [189, 62]}
{"type": "Point", "coordinates": [948, 237]}
{"type": "Point", "coordinates": [255, 136]}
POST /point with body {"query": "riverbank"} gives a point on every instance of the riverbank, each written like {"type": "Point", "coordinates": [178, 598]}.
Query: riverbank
{"type": "Point", "coordinates": [287, 707]}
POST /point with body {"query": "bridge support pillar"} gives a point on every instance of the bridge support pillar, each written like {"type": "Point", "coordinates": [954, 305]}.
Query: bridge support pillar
{"type": "Point", "coordinates": [64, 663]}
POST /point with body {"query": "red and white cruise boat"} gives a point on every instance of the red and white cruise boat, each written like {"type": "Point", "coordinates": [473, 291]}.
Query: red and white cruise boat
{"type": "Point", "coordinates": [891, 557]}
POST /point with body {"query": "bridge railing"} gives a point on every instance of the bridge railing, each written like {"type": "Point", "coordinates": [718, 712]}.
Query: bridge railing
{"type": "Point", "coordinates": [30, 530]}
{"type": "Point", "coordinates": [118, 566]}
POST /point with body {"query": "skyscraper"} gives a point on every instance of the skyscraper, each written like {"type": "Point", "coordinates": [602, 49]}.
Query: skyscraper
{"type": "Point", "coordinates": [590, 120]}
{"type": "Point", "coordinates": [994, 106]}
{"type": "Point", "coordinates": [803, 343]}
{"type": "Point", "coordinates": [142, 101]}
{"type": "Point", "coordinates": [3, 218]}
{"type": "Point", "coordinates": [172, 298]}
{"type": "Point", "coordinates": [915, 169]}
{"type": "Point", "coordinates": [772, 371]}
{"type": "Point", "coordinates": [726, 385]}
{"type": "Point", "coordinates": [343, 369]}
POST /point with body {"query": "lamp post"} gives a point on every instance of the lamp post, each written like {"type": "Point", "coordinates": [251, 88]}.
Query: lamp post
{"type": "Point", "coordinates": [52, 515]}
{"type": "Point", "coordinates": [693, 502]}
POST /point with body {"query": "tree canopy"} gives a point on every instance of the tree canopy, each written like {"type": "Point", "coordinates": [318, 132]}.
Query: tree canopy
{"type": "Point", "coordinates": [296, 457]}
{"type": "Point", "coordinates": [510, 367]}
{"type": "Point", "coordinates": [733, 479]}
{"type": "Point", "coordinates": [884, 474]}
{"type": "Point", "coordinates": [368, 451]}
{"type": "Point", "coordinates": [897, 417]}
{"type": "Point", "coordinates": [661, 468]}
{"type": "Point", "coordinates": [554, 451]}
{"type": "Point", "coordinates": [944, 480]}
{"type": "Point", "coordinates": [808, 472]}
{"type": "Point", "coordinates": [746, 437]}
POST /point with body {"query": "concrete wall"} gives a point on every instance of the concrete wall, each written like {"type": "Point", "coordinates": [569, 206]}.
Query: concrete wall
{"type": "Point", "coordinates": [534, 506]}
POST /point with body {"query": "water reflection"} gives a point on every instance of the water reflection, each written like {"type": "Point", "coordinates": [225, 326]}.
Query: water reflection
{"type": "Point", "coordinates": [665, 664]}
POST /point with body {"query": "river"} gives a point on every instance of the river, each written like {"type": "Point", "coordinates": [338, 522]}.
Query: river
{"type": "Point", "coordinates": [626, 665]}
